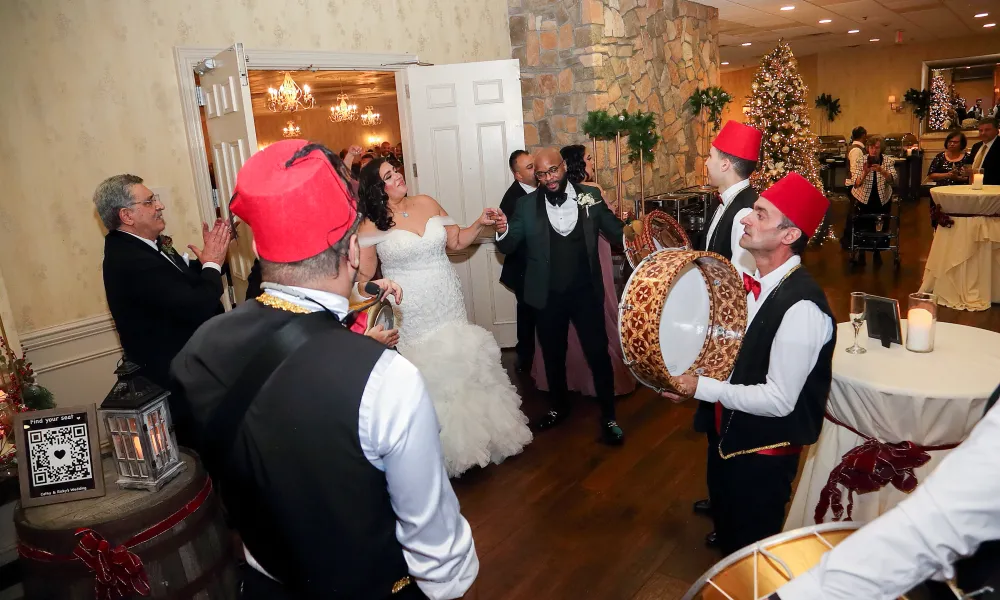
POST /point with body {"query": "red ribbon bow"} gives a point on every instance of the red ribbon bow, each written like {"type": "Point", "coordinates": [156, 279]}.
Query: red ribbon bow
{"type": "Point", "coordinates": [869, 468]}
{"type": "Point", "coordinates": [118, 573]}
{"type": "Point", "coordinates": [751, 285]}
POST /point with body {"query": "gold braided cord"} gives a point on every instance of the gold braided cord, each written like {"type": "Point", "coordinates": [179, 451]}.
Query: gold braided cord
{"type": "Point", "coordinates": [274, 302]}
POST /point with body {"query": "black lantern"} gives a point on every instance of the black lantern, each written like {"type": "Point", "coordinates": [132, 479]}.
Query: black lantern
{"type": "Point", "coordinates": [138, 420]}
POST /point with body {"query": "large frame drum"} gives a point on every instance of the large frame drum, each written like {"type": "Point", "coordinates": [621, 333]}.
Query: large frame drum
{"type": "Point", "coordinates": [682, 311]}
{"type": "Point", "coordinates": [656, 231]}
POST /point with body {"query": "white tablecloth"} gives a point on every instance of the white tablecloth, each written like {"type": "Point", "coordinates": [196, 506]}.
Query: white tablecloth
{"type": "Point", "coordinates": [895, 395]}
{"type": "Point", "coordinates": [963, 265]}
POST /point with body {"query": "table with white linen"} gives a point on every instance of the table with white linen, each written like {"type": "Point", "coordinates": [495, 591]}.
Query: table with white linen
{"type": "Point", "coordinates": [894, 395]}
{"type": "Point", "coordinates": [963, 266]}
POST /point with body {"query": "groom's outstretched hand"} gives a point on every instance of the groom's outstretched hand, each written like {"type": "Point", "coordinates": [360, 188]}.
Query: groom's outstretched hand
{"type": "Point", "coordinates": [499, 220]}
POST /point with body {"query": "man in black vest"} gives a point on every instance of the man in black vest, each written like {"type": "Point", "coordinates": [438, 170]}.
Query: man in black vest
{"type": "Point", "coordinates": [731, 160]}
{"type": "Point", "coordinates": [157, 297]}
{"type": "Point", "coordinates": [954, 513]}
{"type": "Point", "coordinates": [333, 476]}
{"type": "Point", "coordinates": [774, 401]}
{"type": "Point", "coordinates": [556, 226]}
{"type": "Point", "coordinates": [512, 274]}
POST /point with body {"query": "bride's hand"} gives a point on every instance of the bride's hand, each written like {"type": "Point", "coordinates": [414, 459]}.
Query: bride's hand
{"type": "Point", "coordinates": [387, 337]}
{"type": "Point", "coordinates": [390, 288]}
{"type": "Point", "coordinates": [487, 219]}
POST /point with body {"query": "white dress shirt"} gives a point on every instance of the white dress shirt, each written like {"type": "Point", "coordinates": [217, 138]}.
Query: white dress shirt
{"type": "Point", "coordinates": [524, 186]}
{"type": "Point", "coordinates": [398, 429]}
{"type": "Point", "coordinates": [742, 259]}
{"type": "Point", "coordinates": [857, 149]}
{"type": "Point", "coordinates": [184, 257]}
{"type": "Point", "coordinates": [946, 518]}
{"type": "Point", "coordinates": [563, 217]}
{"type": "Point", "coordinates": [803, 332]}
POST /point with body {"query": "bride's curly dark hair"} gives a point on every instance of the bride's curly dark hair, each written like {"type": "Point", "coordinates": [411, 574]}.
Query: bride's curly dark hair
{"type": "Point", "coordinates": [576, 164]}
{"type": "Point", "coordinates": [374, 200]}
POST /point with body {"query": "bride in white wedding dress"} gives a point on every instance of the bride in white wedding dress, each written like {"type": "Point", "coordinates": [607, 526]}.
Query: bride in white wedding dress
{"type": "Point", "coordinates": [477, 407]}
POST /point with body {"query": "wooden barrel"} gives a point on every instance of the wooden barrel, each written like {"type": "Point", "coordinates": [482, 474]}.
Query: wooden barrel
{"type": "Point", "coordinates": [193, 558]}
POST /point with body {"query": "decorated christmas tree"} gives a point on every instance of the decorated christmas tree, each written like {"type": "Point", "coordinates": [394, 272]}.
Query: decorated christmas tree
{"type": "Point", "coordinates": [940, 102]}
{"type": "Point", "coordinates": [778, 107]}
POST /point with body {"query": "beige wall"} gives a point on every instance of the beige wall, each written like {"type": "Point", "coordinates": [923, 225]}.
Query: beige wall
{"type": "Point", "coordinates": [92, 91]}
{"type": "Point", "coordinates": [317, 127]}
{"type": "Point", "coordinates": [864, 78]}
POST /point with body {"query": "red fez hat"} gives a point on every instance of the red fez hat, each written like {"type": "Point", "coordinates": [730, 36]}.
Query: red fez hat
{"type": "Point", "coordinates": [739, 140]}
{"type": "Point", "coordinates": [295, 212]}
{"type": "Point", "coordinates": [799, 200]}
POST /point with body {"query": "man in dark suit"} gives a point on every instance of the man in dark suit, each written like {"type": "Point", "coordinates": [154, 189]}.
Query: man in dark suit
{"type": "Point", "coordinates": [157, 297]}
{"type": "Point", "coordinates": [985, 154]}
{"type": "Point", "coordinates": [512, 274]}
{"type": "Point", "coordinates": [557, 227]}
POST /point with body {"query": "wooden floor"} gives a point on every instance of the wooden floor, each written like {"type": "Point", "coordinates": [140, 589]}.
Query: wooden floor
{"type": "Point", "coordinates": [572, 519]}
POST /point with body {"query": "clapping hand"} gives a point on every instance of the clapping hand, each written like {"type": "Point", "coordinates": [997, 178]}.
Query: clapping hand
{"type": "Point", "coordinates": [216, 243]}
{"type": "Point", "coordinates": [487, 218]}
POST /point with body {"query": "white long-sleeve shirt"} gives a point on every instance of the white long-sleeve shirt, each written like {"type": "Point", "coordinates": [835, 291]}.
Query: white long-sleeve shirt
{"type": "Point", "coordinates": [947, 517]}
{"type": "Point", "coordinates": [803, 332]}
{"type": "Point", "coordinates": [742, 259]}
{"type": "Point", "coordinates": [398, 429]}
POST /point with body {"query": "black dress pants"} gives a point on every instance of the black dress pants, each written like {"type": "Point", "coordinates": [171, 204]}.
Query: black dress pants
{"type": "Point", "coordinates": [525, 332]}
{"type": "Point", "coordinates": [749, 494]}
{"type": "Point", "coordinates": [257, 586]}
{"type": "Point", "coordinates": [584, 309]}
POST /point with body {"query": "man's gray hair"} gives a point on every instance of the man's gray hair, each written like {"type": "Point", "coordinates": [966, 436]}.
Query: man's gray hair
{"type": "Point", "coordinates": [114, 194]}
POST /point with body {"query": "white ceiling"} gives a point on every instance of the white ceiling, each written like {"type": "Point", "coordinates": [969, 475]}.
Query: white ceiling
{"type": "Point", "coordinates": [762, 23]}
{"type": "Point", "coordinates": [363, 87]}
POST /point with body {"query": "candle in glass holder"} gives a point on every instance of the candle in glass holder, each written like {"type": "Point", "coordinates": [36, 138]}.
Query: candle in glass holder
{"type": "Point", "coordinates": [977, 181]}
{"type": "Point", "coordinates": [919, 330]}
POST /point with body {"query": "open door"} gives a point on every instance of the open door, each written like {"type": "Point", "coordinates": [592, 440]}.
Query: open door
{"type": "Point", "coordinates": [225, 92]}
{"type": "Point", "coordinates": [464, 121]}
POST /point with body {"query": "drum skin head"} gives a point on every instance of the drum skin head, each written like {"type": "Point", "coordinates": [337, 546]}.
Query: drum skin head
{"type": "Point", "coordinates": [381, 314]}
{"type": "Point", "coordinates": [659, 231]}
{"type": "Point", "coordinates": [682, 311]}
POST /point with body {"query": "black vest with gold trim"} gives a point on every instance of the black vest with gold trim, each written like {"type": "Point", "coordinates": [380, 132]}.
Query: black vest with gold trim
{"type": "Point", "coordinates": [743, 433]}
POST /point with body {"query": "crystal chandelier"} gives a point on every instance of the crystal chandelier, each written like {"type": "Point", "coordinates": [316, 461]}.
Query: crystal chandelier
{"type": "Point", "coordinates": [291, 130]}
{"type": "Point", "coordinates": [370, 117]}
{"type": "Point", "coordinates": [289, 97]}
{"type": "Point", "coordinates": [342, 112]}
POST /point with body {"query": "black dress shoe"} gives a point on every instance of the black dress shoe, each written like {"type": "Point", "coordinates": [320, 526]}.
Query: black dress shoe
{"type": "Point", "coordinates": [703, 507]}
{"type": "Point", "coordinates": [712, 540]}
{"type": "Point", "coordinates": [551, 419]}
{"type": "Point", "coordinates": [612, 434]}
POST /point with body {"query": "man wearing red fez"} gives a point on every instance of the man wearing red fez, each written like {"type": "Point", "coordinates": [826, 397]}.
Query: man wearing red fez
{"type": "Point", "coordinates": [731, 159]}
{"type": "Point", "coordinates": [774, 401]}
{"type": "Point", "coordinates": [324, 444]}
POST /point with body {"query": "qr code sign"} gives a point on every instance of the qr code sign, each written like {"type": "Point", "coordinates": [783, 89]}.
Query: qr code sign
{"type": "Point", "coordinates": [60, 454]}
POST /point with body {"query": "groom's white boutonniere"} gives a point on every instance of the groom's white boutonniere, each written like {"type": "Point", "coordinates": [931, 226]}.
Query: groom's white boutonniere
{"type": "Point", "coordinates": [586, 200]}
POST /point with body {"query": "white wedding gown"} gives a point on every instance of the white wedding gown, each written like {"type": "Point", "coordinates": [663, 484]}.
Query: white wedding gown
{"type": "Point", "coordinates": [477, 406]}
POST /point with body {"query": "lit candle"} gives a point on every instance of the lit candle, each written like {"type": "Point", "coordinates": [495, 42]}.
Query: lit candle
{"type": "Point", "coordinates": [919, 330]}
{"type": "Point", "coordinates": [138, 446]}
{"type": "Point", "coordinates": [977, 181]}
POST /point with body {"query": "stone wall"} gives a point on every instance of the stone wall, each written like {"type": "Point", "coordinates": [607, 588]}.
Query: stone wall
{"type": "Point", "coordinates": [649, 55]}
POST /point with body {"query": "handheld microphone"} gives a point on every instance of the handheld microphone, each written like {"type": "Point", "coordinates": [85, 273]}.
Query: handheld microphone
{"type": "Point", "coordinates": [370, 288]}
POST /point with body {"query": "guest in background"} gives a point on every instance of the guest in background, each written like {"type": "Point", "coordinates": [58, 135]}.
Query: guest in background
{"type": "Point", "coordinates": [984, 153]}
{"type": "Point", "coordinates": [949, 167]}
{"type": "Point", "coordinates": [857, 149]}
{"type": "Point", "coordinates": [157, 297]}
{"type": "Point", "coordinates": [580, 170]}
{"type": "Point", "coordinates": [512, 275]}
{"type": "Point", "coordinates": [977, 110]}
{"type": "Point", "coordinates": [873, 176]}
{"type": "Point", "coordinates": [366, 158]}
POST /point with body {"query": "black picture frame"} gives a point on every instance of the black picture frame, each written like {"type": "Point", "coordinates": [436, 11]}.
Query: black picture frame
{"type": "Point", "coordinates": [58, 455]}
{"type": "Point", "coordinates": [882, 319]}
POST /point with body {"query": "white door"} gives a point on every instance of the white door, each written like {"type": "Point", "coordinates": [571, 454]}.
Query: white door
{"type": "Point", "coordinates": [225, 91]}
{"type": "Point", "coordinates": [465, 120]}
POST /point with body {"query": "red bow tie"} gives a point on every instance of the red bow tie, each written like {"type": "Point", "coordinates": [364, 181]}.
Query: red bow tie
{"type": "Point", "coordinates": [751, 285]}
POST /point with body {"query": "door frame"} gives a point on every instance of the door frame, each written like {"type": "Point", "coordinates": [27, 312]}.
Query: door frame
{"type": "Point", "coordinates": [186, 58]}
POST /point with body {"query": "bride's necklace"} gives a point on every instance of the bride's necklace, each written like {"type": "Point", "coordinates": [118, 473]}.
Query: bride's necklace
{"type": "Point", "coordinates": [402, 212]}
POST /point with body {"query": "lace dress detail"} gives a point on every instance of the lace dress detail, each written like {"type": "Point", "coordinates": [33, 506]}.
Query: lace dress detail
{"type": "Point", "coordinates": [477, 407]}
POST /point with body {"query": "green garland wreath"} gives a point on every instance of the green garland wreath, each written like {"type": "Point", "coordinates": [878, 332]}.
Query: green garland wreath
{"type": "Point", "coordinates": [601, 126]}
{"type": "Point", "coordinates": [830, 104]}
{"type": "Point", "coordinates": [714, 99]}
{"type": "Point", "coordinates": [640, 129]}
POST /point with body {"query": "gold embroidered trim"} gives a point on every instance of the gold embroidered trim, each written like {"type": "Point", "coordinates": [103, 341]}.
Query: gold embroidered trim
{"type": "Point", "coordinates": [733, 414]}
{"type": "Point", "coordinates": [401, 584]}
{"type": "Point", "coordinates": [274, 302]}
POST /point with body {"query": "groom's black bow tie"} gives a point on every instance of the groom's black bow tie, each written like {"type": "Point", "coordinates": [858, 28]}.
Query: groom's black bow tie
{"type": "Point", "coordinates": [556, 199]}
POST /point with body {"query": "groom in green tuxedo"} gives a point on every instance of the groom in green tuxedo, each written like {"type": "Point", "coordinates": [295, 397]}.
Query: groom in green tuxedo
{"type": "Point", "coordinates": [556, 228]}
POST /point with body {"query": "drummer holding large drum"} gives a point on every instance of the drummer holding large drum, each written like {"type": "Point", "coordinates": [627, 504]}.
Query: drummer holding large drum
{"type": "Point", "coordinates": [773, 402]}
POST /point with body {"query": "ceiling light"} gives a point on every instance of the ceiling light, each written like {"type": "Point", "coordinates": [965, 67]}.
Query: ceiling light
{"type": "Point", "coordinates": [725, 63]}
{"type": "Point", "coordinates": [981, 15]}
{"type": "Point", "coordinates": [873, 40]}
{"type": "Point", "coordinates": [825, 21]}
{"type": "Point", "coordinates": [990, 25]}
{"type": "Point", "coordinates": [746, 43]}
{"type": "Point", "coordinates": [854, 31]}
{"type": "Point", "coordinates": [787, 8]}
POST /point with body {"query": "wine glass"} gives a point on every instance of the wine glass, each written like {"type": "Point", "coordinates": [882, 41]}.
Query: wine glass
{"type": "Point", "coordinates": [857, 318]}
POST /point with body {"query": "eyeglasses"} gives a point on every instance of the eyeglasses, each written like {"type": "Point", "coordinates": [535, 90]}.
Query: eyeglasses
{"type": "Point", "coordinates": [550, 172]}
{"type": "Point", "coordinates": [148, 202]}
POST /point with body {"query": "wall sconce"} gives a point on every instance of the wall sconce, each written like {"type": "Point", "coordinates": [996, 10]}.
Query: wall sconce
{"type": "Point", "coordinates": [893, 105]}
{"type": "Point", "coordinates": [374, 140]}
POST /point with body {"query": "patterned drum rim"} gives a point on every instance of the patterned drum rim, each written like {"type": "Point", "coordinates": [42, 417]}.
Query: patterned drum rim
{"type": "Point", "coordinates": [641, 309]}
{"type": "Point", "coordinates": [644, 241]}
